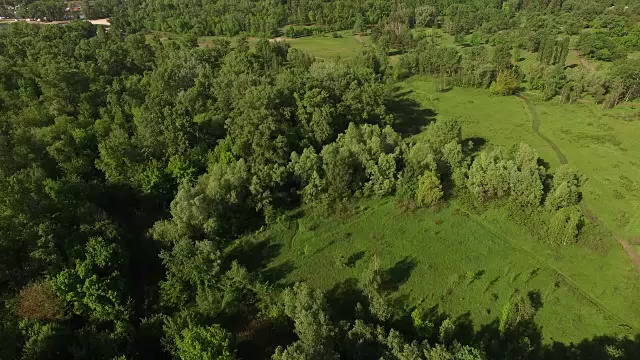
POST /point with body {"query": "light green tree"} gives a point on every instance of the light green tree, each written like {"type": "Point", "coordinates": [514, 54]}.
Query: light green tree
{"type": "Point", "coordinates": [429, 190]}
{"type": "Point", "coordinates": [204, 343]}
{"type": "Point", "coordinates": [307, 308]}
{"type": "Point", "coordinates": [506, 83]}
{"type": "Point", "coordinates": [565, 225]}
{"type": "Point", "coordinates": [565, 189]}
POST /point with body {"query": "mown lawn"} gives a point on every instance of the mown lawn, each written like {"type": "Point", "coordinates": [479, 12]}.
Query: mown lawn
{"type": "Point", "coordinates": [468, 266]}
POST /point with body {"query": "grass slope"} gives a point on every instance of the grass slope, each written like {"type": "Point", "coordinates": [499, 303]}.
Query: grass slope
{"type": "Point", "coordinates": [467, 265]}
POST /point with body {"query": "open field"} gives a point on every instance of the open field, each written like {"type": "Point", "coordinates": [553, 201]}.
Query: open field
{"type": "Point", "coordinates": [467, 265]}
{"type": "Point", "coordinates": [327, 47]}
{"type": "Point", "coordinates": [491, 119]}
{"type": "Point", "coordinates": [599, 143]}
{"type": "Point", "coordinates": [321, 46]}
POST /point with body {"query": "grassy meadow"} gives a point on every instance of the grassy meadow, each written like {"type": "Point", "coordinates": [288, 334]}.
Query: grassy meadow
{"type": "Point", "coordinates": [324, 46]}
{"type": "Point", "coordinates": [600, 143]}
{"type": "Point", "coordinates": [467, 265]}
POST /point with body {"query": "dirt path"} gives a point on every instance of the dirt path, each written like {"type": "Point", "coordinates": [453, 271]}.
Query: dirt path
{"type": "Point", "coordinates": [104, 22]}
{"type": "Point", "coordinates": [535, 127]}
{"type": "Point", "coordinates": [633, 254]}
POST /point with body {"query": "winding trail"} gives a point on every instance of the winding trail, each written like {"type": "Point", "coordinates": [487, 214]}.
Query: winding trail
{"type": "Point", "coordinates": [535, 127]}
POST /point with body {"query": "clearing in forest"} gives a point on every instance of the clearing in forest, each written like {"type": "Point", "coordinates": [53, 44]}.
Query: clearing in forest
{"type": "Point", "coordinates": [468, 266]}
{"type": "Point", "coordinates": [325, 46]}
{"type": "Point", "coordinates": [601, 144]}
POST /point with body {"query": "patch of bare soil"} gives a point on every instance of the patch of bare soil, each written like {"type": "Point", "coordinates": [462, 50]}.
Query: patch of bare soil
{"type": "Point", "coordinates": [633, 254]}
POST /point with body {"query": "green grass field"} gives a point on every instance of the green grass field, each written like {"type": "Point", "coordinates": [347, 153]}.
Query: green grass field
{"type": "Point", "coordinates": [602, 144]}
{"type": "Point", "coordinates": [467, 265]}
{"type": "Point", "coordinates": [328, 47]}
{"type": "Point", "coordinates": [323, 46]}
{"type": "Point", "coordinates": [495, 119]}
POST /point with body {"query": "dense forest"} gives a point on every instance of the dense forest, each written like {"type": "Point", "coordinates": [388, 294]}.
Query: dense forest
{"type": "Point", "coordinates": [131, 166]}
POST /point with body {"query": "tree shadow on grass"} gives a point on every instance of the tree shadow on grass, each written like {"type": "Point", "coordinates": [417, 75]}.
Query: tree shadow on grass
{"type": "Point", "coordinates": [410, 117]}
{"type": "Point", "coordinates": [464, 331]}
{"type": "Point", "coordinates": [474, 145]}
{"type": "Point", "coordinates": [399, 273]}
{"type": "Point", "coordinates": [255, 255]}
{"type": "Point", "coordinates": [536, 299]}
{"type": "Point", "coordinates": [275, 274]}
{"type": "Point", "coordinates": [343, 299]}
{"type": "Point", "coordinates": [325, 246]}
{"type": "Point", "coordinates": [354, 258]}
{"type": "Point", "coordinates": [524, 341]}
{"type": "Point", "coordinates": [597, 348]}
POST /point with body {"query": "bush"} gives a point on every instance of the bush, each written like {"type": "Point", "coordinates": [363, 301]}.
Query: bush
{"type": "Point", "coordinates": [38, 301]}
{"type": "Point", "coordinates": [565, 226]}
{"type": "Point", "coordinates": [506, 84]}
{"type": "Point", "coordinates": [565, 190]}
{"type": "Point", "coordinates": [429, 189]}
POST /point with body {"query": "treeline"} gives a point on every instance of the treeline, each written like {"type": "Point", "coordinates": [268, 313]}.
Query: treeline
{"type": "Point", "coordinates": [607, 31]}
{"type": "Point", "coordinates": [300, 31]}
{"type": "Point", "coordinates": [266, 17]}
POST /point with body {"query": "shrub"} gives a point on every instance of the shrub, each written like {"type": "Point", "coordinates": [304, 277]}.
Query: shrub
{"type": "Point", "coordinates": [506, 84]}
{"type": "Point", "coordinates": [38, 301]}
{"type": "Point", "coordinates": [565, 189]}
{"type": "Point", "coordinates": [565, 226]}
{"type": "Point", "coordinates": [429, 189]}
